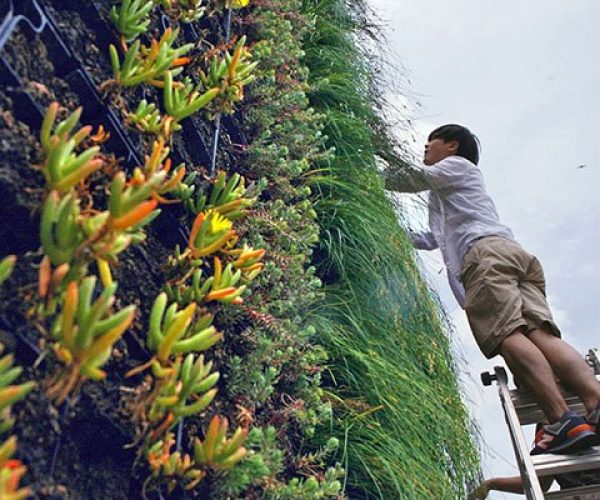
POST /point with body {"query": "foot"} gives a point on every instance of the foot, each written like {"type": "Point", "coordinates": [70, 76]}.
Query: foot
{"type": "Point", "coordinates": [571, 433]}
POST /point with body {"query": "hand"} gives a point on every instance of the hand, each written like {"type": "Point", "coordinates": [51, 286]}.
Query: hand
{"type": "Point", "coordinates": [481, 492]}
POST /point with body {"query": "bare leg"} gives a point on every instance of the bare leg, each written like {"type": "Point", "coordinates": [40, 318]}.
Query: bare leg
{"type": "Point", "coordinates": [527, 362]}
{"type": "Point", "coordinates": [569, 367]}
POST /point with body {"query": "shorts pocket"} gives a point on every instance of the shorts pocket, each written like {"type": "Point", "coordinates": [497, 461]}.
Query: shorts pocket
{"type": "Point", "coordinates": [466, 272]}
{"type": "Point", "coordinates": [480, 309]}
{"type": "Point", "coordinates": [479, 299]}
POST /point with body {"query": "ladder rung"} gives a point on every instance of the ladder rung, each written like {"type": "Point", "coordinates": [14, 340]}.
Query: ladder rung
{"type": "Point", "coordinates": [529, 412]}
{"type": "Point", "coordinates": [579, 493]}
{"type": "Point", "coordinates": [551, 464]}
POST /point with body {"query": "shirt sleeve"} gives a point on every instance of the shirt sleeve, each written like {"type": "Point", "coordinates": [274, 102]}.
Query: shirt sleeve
{"type": "Point", "coordinates": [448, 173]}
{"type": "Point", "coordinates": [423, 240]}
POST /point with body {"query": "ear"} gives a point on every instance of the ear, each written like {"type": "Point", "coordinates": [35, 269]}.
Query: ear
{"type": "Point", "coordinates": [453, 146]}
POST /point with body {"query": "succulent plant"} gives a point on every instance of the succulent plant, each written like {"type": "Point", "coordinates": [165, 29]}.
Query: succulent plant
{"type": "Point", "coordinates": [172, 467]}
{"type": "Point", "coordinates": [218, 451]}
{"type": "Point", "coordinates": [185, 98]}
{"type": "Point", "coordinates": [84, 333]}
{"type": "Point", "coordinates": [174, 332]}
{"type": "Point", "coordinates": [184, 10]}
{"type": "Point", "coordinates": [147, 118]}
{"type": "Point", "coordinates": [149, 64]}
{"type": "Point", "coordinates": [61, 233]}
{"type": "Point", "coordinates": [9, 393]}
{"type": "Point", "coordinates": [7, 265]}
{"type": "Point", "coordinates": [224, 284]}
{"type": "Point", "coordinates": [210, 232]}
{"type": "Point", "coordinates": [11, 472]}
{"type": "Point", "coordinates": [63, 168]}
{"type": "Point", "coordinates": [187, 390]}
{"type": "Point", "coordinates": [131, 17]}
{"type": "Point", "coordinates": [227, 196]}
{"type": "Point", "coordinates": [230, 74]}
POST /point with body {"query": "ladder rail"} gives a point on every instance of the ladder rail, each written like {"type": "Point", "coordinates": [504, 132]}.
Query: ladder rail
{"type": "Point", "coordinates": [550, 464]}
{"type": "Point", "coordinates": [579, 493]}
{"type": "Point", "coordinates": [531, 483]}
{"type": "Point", "coordinates": [520, 409]}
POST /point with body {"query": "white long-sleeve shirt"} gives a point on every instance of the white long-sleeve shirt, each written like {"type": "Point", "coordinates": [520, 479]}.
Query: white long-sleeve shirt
{"type": "Point", "coordinates": [460, 212]}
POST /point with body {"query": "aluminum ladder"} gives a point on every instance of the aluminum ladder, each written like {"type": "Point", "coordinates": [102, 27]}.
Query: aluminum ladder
{"type": "Point", "coordinates": [520, 409]}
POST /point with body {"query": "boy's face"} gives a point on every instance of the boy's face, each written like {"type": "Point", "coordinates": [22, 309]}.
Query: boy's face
{"type": "Point", "coordinates": [436, 150]}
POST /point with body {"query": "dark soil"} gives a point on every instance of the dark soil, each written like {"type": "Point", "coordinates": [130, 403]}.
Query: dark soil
{"type": "Point", "coordinates": [80, 449]}
{"type": "Point", "coordinates": [77, 451]}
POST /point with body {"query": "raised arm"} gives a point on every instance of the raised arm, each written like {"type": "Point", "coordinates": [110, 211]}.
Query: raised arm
{"type": "Point", "coordinates": [448, 173]}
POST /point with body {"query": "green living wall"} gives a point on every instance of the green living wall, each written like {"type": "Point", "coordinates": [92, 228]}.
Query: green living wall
{"type": "Point", "coordinates": [241, 318]}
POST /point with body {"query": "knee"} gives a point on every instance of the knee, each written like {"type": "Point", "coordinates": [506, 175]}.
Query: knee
{"type": "Point", "coordinates": [515, 343]}
{"type": "Point", "coordinates": [543, 335]}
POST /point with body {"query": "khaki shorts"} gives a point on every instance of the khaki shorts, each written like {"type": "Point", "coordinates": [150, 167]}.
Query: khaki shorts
{"type": "Point", "coordinates": [505, 290]}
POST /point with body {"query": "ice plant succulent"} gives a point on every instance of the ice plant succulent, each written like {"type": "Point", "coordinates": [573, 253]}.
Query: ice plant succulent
{"type": "Point", "coordinates": [248, 261]}
{"type": "Point", "coordinates": [230, 74]}
{"type": "Point", "coordinates": [148, 64]}
{"type": "Point", "coordinates": [184, 10]}
{"type": "Point", "coordinates": [11, 472]}
{"type": "Point", "coordinates": [187, 390]}
{"type": "Point", "coordinates": [105, 242]}
{"type": "Point", "coordinates": [131, 17]}
{"type": "Point", "coordinates": [173, 331]}
{"type": "Point", "coordinates": [10, 394]}
{"type": "Point", "coordinates": [7, 265]}
{"type": "Point", "coordinates": [51, 283]}
{"type": "Point", "coordinates": [224, 284]}
{"type": "Point", "coordinates": [131, 203]}
{"type": "Point", "coordinates": [172, 467]}
{"type": "Point", "coordinates": [217, 451]}
{"type": "Point", "coordinates": [84, 333]}
{"type": "Point", "coordinates": [157, 162]}
{"type": "Point", "coordinates": [182, 99]}
{"type": "Point", "coordinates": [183, 292]}
{"type": "Point", "coordinates": [131, 206]}
{"type": "Point", "coordinates": [210, 232]}
{"type": "Point", "coordinates": [63, 168]}
{"type": "Point", "coordinates": [147, 119]}
{"type": "Point", "coordinates": [236, 4]}
{"type": "Point", "coordinates": [61, 233]}
{"type": "Point", "coordinates": [227, 197]}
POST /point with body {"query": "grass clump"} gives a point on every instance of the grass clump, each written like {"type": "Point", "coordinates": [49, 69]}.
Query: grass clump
{"type": "Point", "coordinates": [405, 428]}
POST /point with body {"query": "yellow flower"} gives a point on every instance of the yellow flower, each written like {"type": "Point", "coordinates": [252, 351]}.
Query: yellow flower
{"type": "Point", "coordinates": [238, 4]}
{"type": "Point", "coordinates": [218, 223]}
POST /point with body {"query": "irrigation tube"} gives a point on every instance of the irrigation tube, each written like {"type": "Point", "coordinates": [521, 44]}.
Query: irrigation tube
{"type": "Point", "coordinates": [61, 420]}
{"type": "Point", "coordinates": [213, 160]}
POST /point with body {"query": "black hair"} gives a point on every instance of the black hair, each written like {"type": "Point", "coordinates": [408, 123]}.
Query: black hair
{"type": "Point", "coordinates": [468, 143]}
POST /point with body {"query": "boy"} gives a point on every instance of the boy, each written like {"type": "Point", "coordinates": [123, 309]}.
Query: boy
{"type": "Point", "coordinates": [500, 285]}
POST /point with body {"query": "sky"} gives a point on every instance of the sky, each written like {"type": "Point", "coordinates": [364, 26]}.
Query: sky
{"type": "Point", "coordinates": [525, 78]}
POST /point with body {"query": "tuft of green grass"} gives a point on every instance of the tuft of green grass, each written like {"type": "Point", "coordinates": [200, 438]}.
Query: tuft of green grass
{"type": "Point", "coordinates": [405, 429]}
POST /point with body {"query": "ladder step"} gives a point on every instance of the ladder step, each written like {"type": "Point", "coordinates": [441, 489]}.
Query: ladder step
{"type": "Point", "coordinates": [551, 464]}
{"type": "Point", "coordinates": [591, 492]}
{"type": "Point", "coordinates": [529, 412]}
